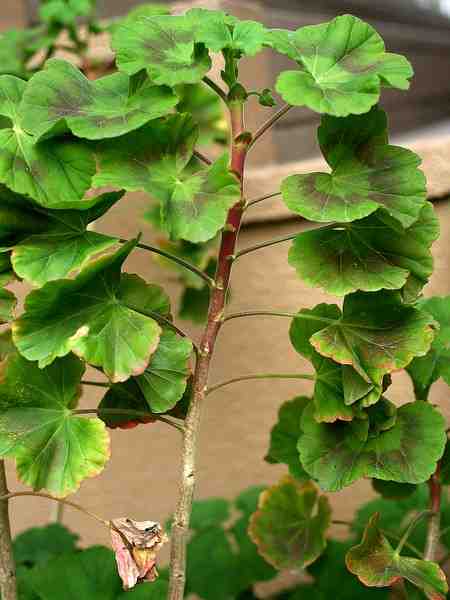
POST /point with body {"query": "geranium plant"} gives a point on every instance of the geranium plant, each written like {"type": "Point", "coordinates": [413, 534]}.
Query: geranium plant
{"type": "Point", "coordinates": [70, 147]}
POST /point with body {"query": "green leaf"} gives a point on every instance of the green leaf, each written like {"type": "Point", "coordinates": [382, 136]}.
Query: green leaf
{"type": "Point", "coordinates": [338, 454]}
{"type": "Point", "coordinates": [13, 52]}
{"type": "Point", "coordinates": [65, 12]}
{"type": "Point", "coordinates": [290, 524]}
{"type": "Point", "coordinates": [194, 203]}
{"type": "Point", "coordinates": [38, 545]}
{"type": "Point", "coordinates": [61, 94]}
{"type": "Point", "coordinates": [164, 381]}
{"type": "Point", "coordinates": [158, 590]}
{"type": "Point", "coordinates": [367, 255]}
{"type": "Point", "coordinates": [100, 315]}
{"type": "Point", "coordinates": [164, 46]}
{"type": "Point", "coordinates": [333, 580]}
{"type": "Point", "coordinates": [424, 371]}
{"type": "Point", "coordinates": [90, 574]}
{"type": "Point", "coordinates": [55, 173]}
{"type": "Point", "coordinates": [219, 31]}
{"type": "Point", "coordinates": [54, 449]}
{"type": "Point", "coordinates": [377, 564]}
{"type": "Point", "coordinates": [210, 562]}
{"type": "Point", "coordinates": [284, 437]}
{"type": "Point", "coordinates": [64, 243]}
{"type": "Point", "coordinates": [337, 387]}
{"type": "Point", "coordinates": [212, 512]}
{"type": "Point", "coordinates": [392, 490]}
{"type": "Point", "coordinates": [342, 66]}
{"type": "Point", "coordinates": [367, 174]}
{"type": "Point", "coordinates": [375, 333]}
{"type": "Point", "coordinates": [206, 108]}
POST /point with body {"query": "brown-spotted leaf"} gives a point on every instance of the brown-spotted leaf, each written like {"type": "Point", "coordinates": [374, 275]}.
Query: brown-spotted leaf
{"type": "Point", "coordinates": [377, 564]}
{"type": "Point", "coordinates": [290, 524]}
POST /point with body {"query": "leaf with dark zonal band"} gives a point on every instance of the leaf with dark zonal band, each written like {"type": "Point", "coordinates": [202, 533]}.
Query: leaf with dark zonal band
{"type": "Point", "coordinates": [164, 46]}
{"type": "Point", "coordinates": [100, 315]}
{"type": "Point", "coordinates": [367, 174]}
{"type": "Point", "coordinates": [91, 109]}
{"type": "Point", "coordinates": [376, 333]}
{"type": "Point", "coordinates": [337, 454]}
{"type": "Point", "coordinates": [425, 370]}
{"type": "Point", "coordinates": [54, 449]}
{"type": "Point", "coordinates": [55, 173]}
{"type": "Point", "coordinates": [337, 387]}
{"type": "Point", "coordinates": [290, 524]}
{"type": "Point", "coordinates": [194, 203]}
{"type": "Point", "coordinates": [64, 243]}
{"type": "Point", "coordinates": [377, 564]}
{"type": "Point", "coordinates": [367, 255]}
{"type": "Point", "coordinates": [284, 437]}
{"type": "Point", "coordinates": [342, 64]}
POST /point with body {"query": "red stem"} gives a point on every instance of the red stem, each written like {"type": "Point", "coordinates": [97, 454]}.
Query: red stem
{"type": "Point", "coordinates": [180, 527]}
{"type": "Point", "coordinates": [433, 534]}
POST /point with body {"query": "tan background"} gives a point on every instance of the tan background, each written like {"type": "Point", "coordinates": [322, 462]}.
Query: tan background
{"type": "Point", "coordinates": [141, 479]}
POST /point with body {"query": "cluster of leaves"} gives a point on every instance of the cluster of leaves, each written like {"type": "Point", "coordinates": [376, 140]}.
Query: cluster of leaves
{"type": "Point", "coordinates": [22, 50]}
{"type": "Point", "coordinates": [64, 135]}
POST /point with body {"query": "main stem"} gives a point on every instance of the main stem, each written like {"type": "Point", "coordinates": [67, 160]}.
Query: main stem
{"type": "Point", "coordinates": [180, 526]}
{"type": "Point", "coordinates": [7, 566]}
{"type": "Point", "coordinates": [434, 523]}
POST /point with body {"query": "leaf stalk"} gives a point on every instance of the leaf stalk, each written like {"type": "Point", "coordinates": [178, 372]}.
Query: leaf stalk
{"type": "Point", "coordinates": [8, 586]}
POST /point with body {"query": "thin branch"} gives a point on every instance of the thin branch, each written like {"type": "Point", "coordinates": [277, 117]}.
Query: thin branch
{"type": "Point", "coordinates": [274, 313]}
{"type": "Point", "coordinates": [8, 585]}
{"type": "Point", "coordinates": [95, 383]}
{"type": "Point", "coordinates": [168, 323]}
{"type": "Point", "coordinates": [129, 412]}
{"type": "Point", "coordinates": [266, 244]}
{"type": "Point", "coordinates": [218, 386]}
{"type": "Point", "coordinates": [261, 199]}
{"type": "Point", "coordinates": [187, 265]}
{"type": "Point", "coordinates": [62, 500]}
{"type": "Point", "coordinates": [412, 524]}
{"type": "Point", "coordinates": [203, 158]}
{"type": "Point", "coordinates": [216, 88]}
{"type": "Point", "coordinates": [269, 124]}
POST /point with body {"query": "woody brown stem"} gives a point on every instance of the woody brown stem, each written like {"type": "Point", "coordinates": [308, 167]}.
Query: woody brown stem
{"type": "Point", "coordinates": [7, 566]}
{"type": "Point", "coordinates": [180, 527]}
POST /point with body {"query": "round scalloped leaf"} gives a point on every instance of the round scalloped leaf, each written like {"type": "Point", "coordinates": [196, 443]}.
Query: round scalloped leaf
{"type": "Point", "coordinates": [55, 173]}
{"type": "Point", "coordinates": [53, 448]}
{"type": "Point", "coordinates": [164, 46]}
{"type": "Point", "coordinates": [194, 202]}
{"type": "Point", "coordinates": [164, 381]}
{"type": "Point", "coordinates": [337, 386]}
{"type": "Point", "coordinates": [290, 524]}
{"type": "Point", "coordinates": [342, 66]}
{"type": "Point", "coordinates": [336, 455]}
{"type": "Point", "coordinates": [376, 333]}
{"type": "Point", "coordinates": [377, 564]}
{"type": "Point", "coordinates": [284, 437]}
{"type": "Point", "coordinates": [98, 109]}
{"type": "Point", "coordinates": [367, 255]}
{"type": "Point", "coordinates": [64, 242]}
{"type": "Point", "coordinates": [100, 315]}
{"type": "Point", "coordinates": [425, 370]}
{"type": "Point", "coordinates": [367, 174]}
